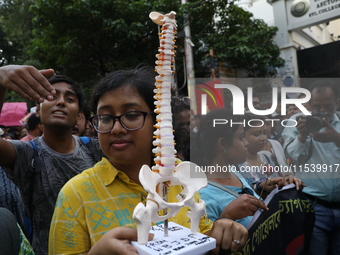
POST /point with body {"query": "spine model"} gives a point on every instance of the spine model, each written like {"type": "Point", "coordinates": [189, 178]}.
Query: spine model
{"type": "Point", "coordinates": [164, 140]}
{"type": "Point", "coordinates": [166, 173]}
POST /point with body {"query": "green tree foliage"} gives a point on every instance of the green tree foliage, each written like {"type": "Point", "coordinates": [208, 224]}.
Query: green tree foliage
{"type": "Point", "coordinates": [85, 39]}
{"type": "Point", "coordinates": [7, 51]}
{"type": "Point", "coordinates": [15, 31]}
{"type": "Point", "coordinates": [15, 35]}
{"type": "Point", "coordinates": [238, 39]}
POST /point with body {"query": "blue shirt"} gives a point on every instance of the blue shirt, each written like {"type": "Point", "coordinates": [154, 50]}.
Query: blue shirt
{"type": "Point", "coordinates": [321, 172]}
{"type": "Point", "coordinates": [216, 199]}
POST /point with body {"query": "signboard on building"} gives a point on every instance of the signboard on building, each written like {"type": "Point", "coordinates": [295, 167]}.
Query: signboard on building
{"type": "Point", "coordinates": [306, 13]}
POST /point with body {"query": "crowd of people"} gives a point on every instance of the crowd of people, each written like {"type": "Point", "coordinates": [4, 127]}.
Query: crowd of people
{"type": "Point", "coordinates": [73, 178]}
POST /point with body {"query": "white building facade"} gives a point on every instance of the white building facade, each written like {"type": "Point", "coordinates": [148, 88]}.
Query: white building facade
{"type": "Point", "coordinates": [302, 24]}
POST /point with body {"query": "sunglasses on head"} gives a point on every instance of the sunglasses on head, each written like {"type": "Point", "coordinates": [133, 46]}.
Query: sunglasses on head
{"type": "Point", "coordinates": [178, 100]}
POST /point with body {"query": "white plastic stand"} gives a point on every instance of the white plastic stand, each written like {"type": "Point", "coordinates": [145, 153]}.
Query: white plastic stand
{"type": "Point", "coordinates": [180, 241]}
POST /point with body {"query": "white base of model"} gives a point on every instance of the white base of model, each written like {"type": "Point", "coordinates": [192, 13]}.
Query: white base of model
{"type": "Point", "coordinates": [179, 241]}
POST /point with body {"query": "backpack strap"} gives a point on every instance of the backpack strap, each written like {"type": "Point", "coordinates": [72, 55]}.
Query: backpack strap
{"type": "Point", "coordinates": [35, 168]}
{"type": "Point", "coordinates": [222, 187]}
{"type": "Point", "coordinates": [35, 164]}
{"type": "Point", "coordinates": [96, 155]}
{"type": "Point", "coordinates": [85, 139]}
{"type": "Point", "coordinates": [33, 145]}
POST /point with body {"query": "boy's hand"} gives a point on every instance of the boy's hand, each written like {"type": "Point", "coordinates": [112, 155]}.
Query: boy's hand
{"type": "Point", "coordinates": [28, 82]}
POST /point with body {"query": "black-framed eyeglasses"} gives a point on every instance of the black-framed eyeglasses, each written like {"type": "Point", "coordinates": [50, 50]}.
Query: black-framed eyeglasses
{"type": "Point", "coordinates": [133, 120]}
{"type": "Point", "coordinates": [178, 100]}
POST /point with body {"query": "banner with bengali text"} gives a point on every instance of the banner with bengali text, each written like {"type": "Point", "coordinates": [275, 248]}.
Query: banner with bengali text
{"type": "Point", "coordinates": [285, 229]}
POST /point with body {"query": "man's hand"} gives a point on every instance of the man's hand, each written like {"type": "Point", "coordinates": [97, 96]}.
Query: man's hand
{"type": "Point", "coordinates": [28, 82]}
{"type": "Point", "coordinates": [292, 179]}
{"type": "Point", "coordinates": [301, 127]}
{"type": "Point", "coordinates": [330, 135]}
{"type": "Point", "coordinates": [117, 241]}
{"type": "Point", "coordinates": [229, 235]}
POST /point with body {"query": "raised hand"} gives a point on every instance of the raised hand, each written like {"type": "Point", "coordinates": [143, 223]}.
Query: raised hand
{"type": "Point", "coordinates": [330, 135]}
{"type": "Point", "coordinates": [28, 82]}
{"type": "Point", "coordinates": [301, 127]}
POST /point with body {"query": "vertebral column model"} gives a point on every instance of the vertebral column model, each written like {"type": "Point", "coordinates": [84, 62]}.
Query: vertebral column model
{"type": "Point", "coordinates": [166, 173]}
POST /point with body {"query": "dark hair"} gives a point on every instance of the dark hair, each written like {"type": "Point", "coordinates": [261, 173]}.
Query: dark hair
{"type": "Point", "coordinates": [75, 86]}
{"type": "Point", "coordinates": [32, 122]}
{"type": "Point", "coordinates": [204, 150]}
{"type": "Point", "coordinates": [321, 85]}
{"type": "Point", "coordinates": [142, 79]}
{"type": "Point", "coordinates": [250, 116]}
{"type": "Point", "coordinates": [11, 135]}
{"type": "Point", "coordinates": [181, 127]}
{"type": "Point", "coordinates": [87, 111]}
{"type": "Point", "coordinates": [178, 105]}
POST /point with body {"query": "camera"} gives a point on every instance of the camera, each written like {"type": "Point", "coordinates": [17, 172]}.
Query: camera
{"type": "Point", "coordinates": [314, 122]}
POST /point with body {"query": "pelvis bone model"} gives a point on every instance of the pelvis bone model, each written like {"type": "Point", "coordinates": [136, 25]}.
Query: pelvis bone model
{"type": "Point", "coordinates": [166, 173]}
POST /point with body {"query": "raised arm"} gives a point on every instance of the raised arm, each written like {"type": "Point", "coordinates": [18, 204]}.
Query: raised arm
{"type": "Point", "coordinates": [296, 144]}
{"type": "Point", "coordinates": [26, 81]}
{"type": "Point", "coordinates": [29, 83]}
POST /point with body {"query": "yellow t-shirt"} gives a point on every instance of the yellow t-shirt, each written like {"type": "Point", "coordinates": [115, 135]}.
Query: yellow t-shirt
{"type": "Point", "coordinates": [97, 200]}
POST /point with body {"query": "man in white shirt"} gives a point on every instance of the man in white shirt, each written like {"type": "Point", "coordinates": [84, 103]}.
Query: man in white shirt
{"type": "Point", "coordinates": [316, 156]}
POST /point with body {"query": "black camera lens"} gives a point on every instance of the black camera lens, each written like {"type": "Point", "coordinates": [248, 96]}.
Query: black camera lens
{"type": "Point", "coordinates": [314, 124]}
